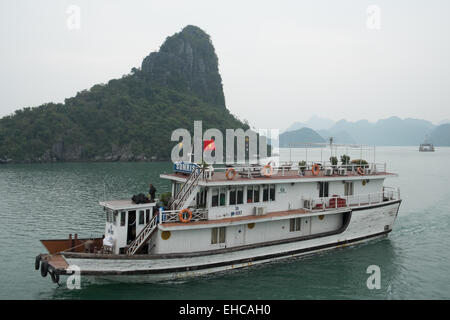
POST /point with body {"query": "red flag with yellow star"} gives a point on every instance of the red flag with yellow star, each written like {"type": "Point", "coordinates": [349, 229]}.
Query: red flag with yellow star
{"type": "Point", "coordinates": [209, 145]}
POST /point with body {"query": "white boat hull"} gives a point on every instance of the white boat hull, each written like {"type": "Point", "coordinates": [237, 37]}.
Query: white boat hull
{"type": "Point", "coordinates": [366, 223]}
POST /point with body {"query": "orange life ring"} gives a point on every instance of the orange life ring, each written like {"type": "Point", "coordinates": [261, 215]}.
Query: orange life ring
{"type": "Point", "coordinates": [227, 174]}
{"type": "Point", "coordinates": [267, 174]}
{"type": "Point", "coordinates": [182, 219]}
{"type": "Point", "coordinates": [361, 171]}
{"type": "Point", "coordinates": [315, 169]}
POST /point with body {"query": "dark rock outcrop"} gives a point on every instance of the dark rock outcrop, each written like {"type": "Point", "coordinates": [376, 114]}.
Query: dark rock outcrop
{"type": "Point", "coordinates": [187, 62]}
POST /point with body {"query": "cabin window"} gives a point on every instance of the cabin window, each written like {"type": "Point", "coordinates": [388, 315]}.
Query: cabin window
{"type": "Point", "coordinates": [250, 194]}
{"type": "Point", "coordinates": [147, 215]}
{"type": "Point", "coordinates": [236, 195]}
{"type": "Point", "coordinates": [294, 224]}
{"type": "Point", "coordinates": [218, 235]}
{"type": "Point", "coordinates": [141, 217]}
{"type": "Point", "coordinates": [201, 198]}
{"type": "Point", "coordinates": [272, 192]}
{"type": "Point", "coordinates": [268, 192]}
{"type": "Point", "coordinates": [232, 196]}
{"type": "Point", "coordinates": [122, 218]}
{"type": "Point", "coordinates": [110, 215]}
{"type": "Point", "coordinates": [323, 189]}
{"type": "Point", "coordinates": [222, 196]}
{"type": "Point", "coordinates": [215, 197]}
{"type": "Point", "coordinates": [348, 189]}
{"type": "Point", "coordinates": [255, 193]}
{"type": "Point", "coordinates": [214, 232]}
{"type": "Point", "coordinates": [240, 195]}
{"type": "Point", "coordinates": [115, 214]}
{"type": "Point", "coordinates": [265, 192]}
{"type": "Point", "coordinates": [177, 189]}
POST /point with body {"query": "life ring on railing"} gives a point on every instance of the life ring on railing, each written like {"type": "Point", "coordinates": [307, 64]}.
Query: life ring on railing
{"type": "Point", "coordinates": [315, 169]}
{"type": "Point", "coordinates": [265, 172]}
{"type": "Point", "coordinates": [361, 171]}
{"type": "Point", "coordinates": [232, 171]}
{"type": "Point", "coordinates": [182, 212]}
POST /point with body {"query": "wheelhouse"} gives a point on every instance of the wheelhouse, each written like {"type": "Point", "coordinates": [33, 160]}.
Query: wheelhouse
{"type": "Point", "coordinates": [124, 221]}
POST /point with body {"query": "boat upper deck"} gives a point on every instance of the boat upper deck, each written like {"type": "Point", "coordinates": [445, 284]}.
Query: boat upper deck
{"type": "Point", "coordinates": [245, 175]}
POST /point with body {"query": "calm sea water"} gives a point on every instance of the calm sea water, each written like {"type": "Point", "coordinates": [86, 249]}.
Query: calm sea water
{"type": "Point", "coordinates": [52, 200]}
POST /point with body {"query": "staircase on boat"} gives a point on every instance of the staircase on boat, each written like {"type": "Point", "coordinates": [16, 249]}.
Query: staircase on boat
{"type": "Point", "coordinates": [188, 191]}
{"type": "Point", "coordinates": [185, 196]}
{"type": "Point", "coordinates": [143, 236]}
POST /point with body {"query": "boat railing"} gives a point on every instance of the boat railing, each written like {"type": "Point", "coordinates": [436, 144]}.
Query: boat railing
{"type": "Point", "coordinates": [174, 215]}
{"type": "Point", "coordinates": [336, 201]}
{"type": "Point", "coordinates": [257, 169]}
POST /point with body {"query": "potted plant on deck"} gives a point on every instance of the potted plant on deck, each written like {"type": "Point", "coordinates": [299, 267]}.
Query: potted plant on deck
{"type": "Point", "coordinates": [359, 163]}
{"type": "Point", "coordinates": [334, 162]}
{"type": "Point", "coordinates": [345, 161]}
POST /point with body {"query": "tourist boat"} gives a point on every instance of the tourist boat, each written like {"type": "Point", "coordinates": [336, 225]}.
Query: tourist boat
{"type": "Point", "coordinates": [426, 146]}
{"type": "Point", "coordinates": [229, 218]}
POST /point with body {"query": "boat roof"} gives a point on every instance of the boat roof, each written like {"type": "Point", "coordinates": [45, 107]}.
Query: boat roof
{"type": "Point", "coordinates": [125, 204]}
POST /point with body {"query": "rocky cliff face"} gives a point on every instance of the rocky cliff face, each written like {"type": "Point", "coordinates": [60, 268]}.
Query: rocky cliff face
{"type": "Point", "coordinates": [187, 62]}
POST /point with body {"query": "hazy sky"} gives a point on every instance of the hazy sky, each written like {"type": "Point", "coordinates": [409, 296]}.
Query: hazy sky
{"type": "Point", "coordinates": [280, 61]}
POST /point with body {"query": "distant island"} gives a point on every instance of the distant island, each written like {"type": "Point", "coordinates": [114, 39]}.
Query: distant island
{"type": "Point", "coordinates": [391, 131]}
{"type": "Point", "coordinates": [127, 119]}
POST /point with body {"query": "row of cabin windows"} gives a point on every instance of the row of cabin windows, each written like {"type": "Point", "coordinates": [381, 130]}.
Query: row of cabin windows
{"type": "Point", "coordinates": [143, 217]}
{"type": "Point", "coordinates": [237, 195]}
{"type": "Point", "coordinates": [324, 189]}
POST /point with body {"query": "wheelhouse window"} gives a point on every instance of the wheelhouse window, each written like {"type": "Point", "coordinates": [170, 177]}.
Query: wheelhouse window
{"type": "Point", "coordinates": [218, 235]}
{"type": "Point", "coordinates": [147, 215]}
{"type": "Point", "coordinates": [294, 224]}
{"type": "Point", "coordinates": [109, 217]}
{"type": "Point", "coordinates": [123, 216]}
{"type": "Point", "coordinates": [141, 217]}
